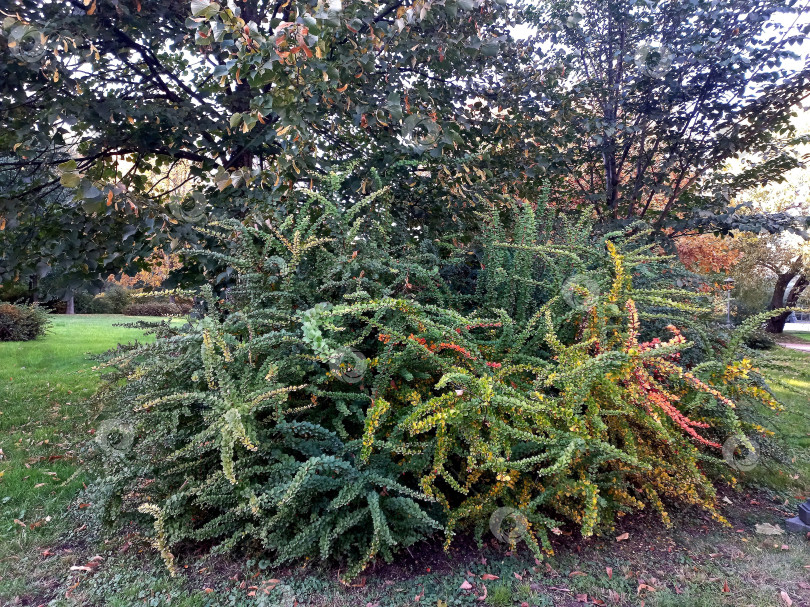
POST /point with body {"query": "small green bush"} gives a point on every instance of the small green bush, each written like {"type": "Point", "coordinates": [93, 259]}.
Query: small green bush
{"type": "Point", "coordinates": [112, 301]}
{"type": "Point", "coordinates": [22, 323]}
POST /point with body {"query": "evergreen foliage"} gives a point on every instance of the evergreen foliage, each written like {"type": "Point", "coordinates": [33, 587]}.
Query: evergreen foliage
{"type": "Point", "coordinates": [344, 400]}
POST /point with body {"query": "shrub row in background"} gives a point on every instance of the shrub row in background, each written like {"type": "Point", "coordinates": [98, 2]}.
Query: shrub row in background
{"type": "Point", "coordinates": [157, 308]}
{"type": "Point", "coordinates": [22, 322]}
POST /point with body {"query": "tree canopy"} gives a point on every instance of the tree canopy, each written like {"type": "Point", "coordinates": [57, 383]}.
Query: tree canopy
{"type": "Point", "coordinates": [149, 113]}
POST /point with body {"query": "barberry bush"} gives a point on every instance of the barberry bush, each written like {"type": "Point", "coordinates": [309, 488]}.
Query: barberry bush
{"type": "Point", "coordinates": [22, 322]}
{"type": "Point", "coordinates": [342, 399]}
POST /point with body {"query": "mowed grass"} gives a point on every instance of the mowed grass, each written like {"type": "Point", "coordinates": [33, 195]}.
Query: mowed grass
{"type": "Point", "coordinates": [44, 417]}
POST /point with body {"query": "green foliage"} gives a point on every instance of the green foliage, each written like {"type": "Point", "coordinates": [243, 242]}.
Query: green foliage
{"type": "Point", "coordinates": [157, 309]}
{"type": "Point", "coordinates": [616, 80]}
{"type": "Point", "coordinates": [22, 323]}
{"type": "Point", "coordinates": [341, 400]}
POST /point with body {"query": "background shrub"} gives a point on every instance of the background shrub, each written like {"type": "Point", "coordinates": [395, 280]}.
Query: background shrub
{"type": "Point", "coordinates": [157, 308]}
{"type": "Point", "coordinates": [14, 292]}
{"type": "Point", "coordinates": [113, 300]}
{"type": "Point", "coordinates": [21, 322]}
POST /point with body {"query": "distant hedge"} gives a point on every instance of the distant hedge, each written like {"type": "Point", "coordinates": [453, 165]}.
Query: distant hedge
{"type": "Point", "coordinates": [22, 323]}
{"type": "Point", "coordinates": [157, 309]}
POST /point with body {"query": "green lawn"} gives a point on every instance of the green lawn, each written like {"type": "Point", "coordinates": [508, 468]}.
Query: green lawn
{"type": "Point", "coordinates": [44, 422]}
{"type": "Point", "coordinates": [44, 419]}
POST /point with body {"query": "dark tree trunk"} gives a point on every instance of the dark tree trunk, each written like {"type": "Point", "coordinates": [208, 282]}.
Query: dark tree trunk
{"type": "Point", "coordinates": [70, 309]}
{"type": "Point", "coordinates": [776, 324]}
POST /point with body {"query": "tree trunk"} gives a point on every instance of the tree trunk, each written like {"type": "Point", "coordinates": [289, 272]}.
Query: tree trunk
{"type": "Point", "coordinates": [70, 304]}
{"type": "Point", "coordinates": [33, 285]}
{"type": "Point", "coordinates": [776, 324]}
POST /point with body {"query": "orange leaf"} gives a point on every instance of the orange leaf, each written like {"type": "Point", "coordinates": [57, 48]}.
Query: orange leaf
{"type": "Point", "coordinates": [622, 537]}
{"type": "Point", "coordinates": [489, 577]}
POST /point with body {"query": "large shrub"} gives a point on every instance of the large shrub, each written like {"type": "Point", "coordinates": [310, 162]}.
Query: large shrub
{"type": "Point", "coordinates": [22, 323]}
{"type": "Point", "coordinates": [343, 401]}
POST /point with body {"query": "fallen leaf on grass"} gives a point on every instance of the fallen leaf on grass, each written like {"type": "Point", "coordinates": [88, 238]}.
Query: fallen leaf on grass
{"type": "Point", "coordinates": [81, 568]}
{"type": "Point", "coordinates": [609, 572]}
{"type": "Point", "coordinates": [465, 585]}
{"type": "Point", "coordinates": [488, 577]}
{"type": "Point", "coordinates": [483, 597]}
{"type": "Point", "coordinates": [582, 598]}
{"type": "Point", "coordinates": [768, 529]}
{"type": "Point", "coordinates": [725, 587]}
{"type": "Point", "coordinates": [786, 598]}
{"type": "Point", "coordinates": [804, 585]}
{"type": "Point", "coordinates": [622, 537]}
{"type": "Point", "coordinates": [644, 587]}
{"type": "Point", "coordinates": [576, 573]}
